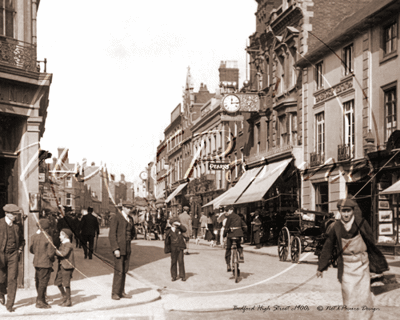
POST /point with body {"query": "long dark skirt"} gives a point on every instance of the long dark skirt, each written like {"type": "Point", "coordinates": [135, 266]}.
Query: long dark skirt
{"type": "Point", "coordinates": [210, 233]}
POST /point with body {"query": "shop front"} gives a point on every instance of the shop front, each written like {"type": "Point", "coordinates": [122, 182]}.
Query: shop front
{"type": "Point", "coordinates": [271, 188]}
{"type": "Point", "coordinates": [385, 195]}
{"type": "Point", "coordinates": [176, 199]}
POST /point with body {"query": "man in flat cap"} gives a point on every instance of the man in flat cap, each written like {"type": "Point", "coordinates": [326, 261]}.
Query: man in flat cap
{"type": "Point", "coordinates": [89, 227]}
{"type": "Point", "coordinates": [122, 231]}
{"type": "Point", "coordinates": [185, 220]}
{"type": "Point", "coordinates": [358, 255]}
{"type": "Point", "coordinates": [11, 247]}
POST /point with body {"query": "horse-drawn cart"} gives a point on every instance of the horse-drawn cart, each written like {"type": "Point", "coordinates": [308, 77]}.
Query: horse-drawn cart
{"type": "Point", "coordinates": [304, 231]}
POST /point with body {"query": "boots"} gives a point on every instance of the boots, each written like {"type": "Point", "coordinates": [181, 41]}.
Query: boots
{"type": "Point", "coordinates": [64, 295]}
{"type": "Point", "coordinates": [228, 268]}
{"type": "Point", "coordinates": [67, 302]}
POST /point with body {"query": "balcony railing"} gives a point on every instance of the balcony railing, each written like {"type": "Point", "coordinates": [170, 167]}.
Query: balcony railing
{"type": "Point", "coordinates": [316, 159]}
{"type": "Point", "coordinates": [19, 54]}
{"type": "Point", "coordinates": [345, 152]}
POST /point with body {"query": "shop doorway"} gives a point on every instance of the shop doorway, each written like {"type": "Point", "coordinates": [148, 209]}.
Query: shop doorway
{"type": "Point", "coordinates": [6, 165]}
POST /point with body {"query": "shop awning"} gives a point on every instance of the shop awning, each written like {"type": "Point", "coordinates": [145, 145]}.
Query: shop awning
{"type": "Point", "coordinates": [240, 186]}
{"type": "Point", "coordinates": [393, 189]}
{"type": "Point", "coordinates": [217, 201]}
{"type": "Point", "coordinates": [176, 192]}
{"type": "Point", "coordinates": [263, 182]}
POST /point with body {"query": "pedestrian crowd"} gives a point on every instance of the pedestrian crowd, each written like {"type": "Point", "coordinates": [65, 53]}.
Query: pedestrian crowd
{"type": "Point", "coordinates": [352, 236]}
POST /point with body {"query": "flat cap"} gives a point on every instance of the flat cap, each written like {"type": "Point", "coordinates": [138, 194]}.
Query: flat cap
{"type": "Point", "coordinates": [348, 203]}
{"type": "Point", "coordinates": [68, 232]}
{"type": "Point", "coordinates": [44, 224]}
{"type": "Point", "coordinates": [127, 204]}
{"type": "Point", "coordinates": [11, 208]}
{"type": "Point", "coordinates": [186, 208]}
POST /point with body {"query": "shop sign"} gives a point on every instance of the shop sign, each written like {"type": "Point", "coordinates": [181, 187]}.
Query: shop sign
{"type": "Point", "coordinates": [218, 166]}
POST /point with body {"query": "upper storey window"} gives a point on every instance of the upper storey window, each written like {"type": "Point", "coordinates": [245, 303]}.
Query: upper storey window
{"type": "Point", "coordinates": [7, 18]}
{"type": "Point", "coordinates": [390, 38]}
{"type": "Point", "coordinates": [348, 60]}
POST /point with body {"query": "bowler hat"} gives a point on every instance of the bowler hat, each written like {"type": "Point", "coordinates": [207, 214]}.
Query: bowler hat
{"type": "Point", "coordinates": [11, 208]}
{"type": "Point", "coordinates": [348, 203]}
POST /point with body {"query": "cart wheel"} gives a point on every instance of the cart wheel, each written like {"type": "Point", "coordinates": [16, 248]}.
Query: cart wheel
{"type": "Point", "coordinates": [283, 244]}
{"type": "Point", "coordinates": [296, 249]}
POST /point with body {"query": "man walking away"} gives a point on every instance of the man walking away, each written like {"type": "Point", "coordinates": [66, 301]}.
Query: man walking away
{"type": "Point", "coordinates": [89, 230]}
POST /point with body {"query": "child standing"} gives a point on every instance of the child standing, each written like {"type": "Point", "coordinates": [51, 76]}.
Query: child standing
{"type": "Point", "coordinates": [43, 249]}
{"type": "Point", "coordinates": [66, 266]}
{"type": "Point", "coordinates": [175, 243]}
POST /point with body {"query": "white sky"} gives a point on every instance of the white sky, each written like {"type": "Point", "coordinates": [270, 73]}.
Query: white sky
{"type": "Point", "coordinates": [119, 67]}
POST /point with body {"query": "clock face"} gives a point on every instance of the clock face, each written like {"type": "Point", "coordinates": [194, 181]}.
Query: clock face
{"type": "Point", "coordinates": [231, 103]}
{"type": "Point", "coordinates": [143, 175]}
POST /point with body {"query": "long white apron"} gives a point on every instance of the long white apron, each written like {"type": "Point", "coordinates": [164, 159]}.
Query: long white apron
{"type": "Point", "coordinates": [356, 287]}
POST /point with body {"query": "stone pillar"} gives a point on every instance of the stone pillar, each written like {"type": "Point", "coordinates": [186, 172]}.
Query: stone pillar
{"type": "Point", "coordinates": [29, 183]}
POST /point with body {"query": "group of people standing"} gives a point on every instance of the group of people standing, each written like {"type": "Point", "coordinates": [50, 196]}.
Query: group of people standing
{"type": "Point", "coordinates": [52, 240]}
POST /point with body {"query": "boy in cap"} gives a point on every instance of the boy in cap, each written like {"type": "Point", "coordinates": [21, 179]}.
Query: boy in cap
{"type": "Point", "coordinates": [175, 241]}
{"type": "Point", "coordinates": [43, 249]}
{"type": "Point", "coordinates": [66, 266]}
{"type": "Point", "coordinates": [11, 247]}
{"type": "Point", "coordinates": [358, 255]}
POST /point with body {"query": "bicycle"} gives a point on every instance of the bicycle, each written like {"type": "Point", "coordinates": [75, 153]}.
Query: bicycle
{"type": "Point", "coordinates": [235, 259]}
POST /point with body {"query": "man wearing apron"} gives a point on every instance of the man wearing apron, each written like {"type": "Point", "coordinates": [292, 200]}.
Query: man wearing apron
{"type": "Point", "coordinates": [358, 255]}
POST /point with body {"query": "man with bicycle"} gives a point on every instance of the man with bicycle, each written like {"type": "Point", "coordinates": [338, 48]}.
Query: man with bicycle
{"type": "Point", "coordinates": [234, 228]}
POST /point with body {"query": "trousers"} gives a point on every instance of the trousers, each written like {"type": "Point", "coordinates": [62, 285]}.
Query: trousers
{"type": "Point", "coordinates": [121, 267]}
{"type": "Point", "coordinates": [228, 249]}
{"type": "Point", "coordinates": [88, 239]}
{"type": "Point", "coordinates": [42, 277]}
{"type": "Point", "coordinates": [177, 258]}
{"type": "Point", "coordinates": [9, 276]}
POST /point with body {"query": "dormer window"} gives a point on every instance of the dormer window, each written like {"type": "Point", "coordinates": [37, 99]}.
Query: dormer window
{"type": "Point", "coordinates": [7, 18]}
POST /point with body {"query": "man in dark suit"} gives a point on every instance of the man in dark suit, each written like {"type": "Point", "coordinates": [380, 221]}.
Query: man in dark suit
{"type": "Point", "coordinates": [11, 247]}
{"type": "Point", "coordinates": [234, 227]}
{"type": "Point", "coordinates": [122, 231]}
{"type": "Point", "coordinates": [89, 230]}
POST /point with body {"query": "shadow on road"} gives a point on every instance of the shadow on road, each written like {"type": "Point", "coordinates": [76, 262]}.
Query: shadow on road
{"type": "Point", "coordinates": [140, 254]}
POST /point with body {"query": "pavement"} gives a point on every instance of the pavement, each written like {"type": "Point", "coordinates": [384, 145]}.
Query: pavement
{"type": "Point", "coordinates": [92, 280]}
{"type": "Point", "coordinates": [90, 289]}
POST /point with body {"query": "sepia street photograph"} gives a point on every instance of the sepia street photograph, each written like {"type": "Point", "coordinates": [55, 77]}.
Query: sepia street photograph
{"type": "Point", "coordinates": [215, 159]}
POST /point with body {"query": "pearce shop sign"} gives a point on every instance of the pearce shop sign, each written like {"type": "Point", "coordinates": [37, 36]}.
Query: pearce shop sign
{"type": "Point", "coordinates": [218, 166]}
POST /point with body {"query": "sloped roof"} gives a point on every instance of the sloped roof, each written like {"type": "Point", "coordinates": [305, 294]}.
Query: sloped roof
{"type": "Point", "coordinates": [350, 26]}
